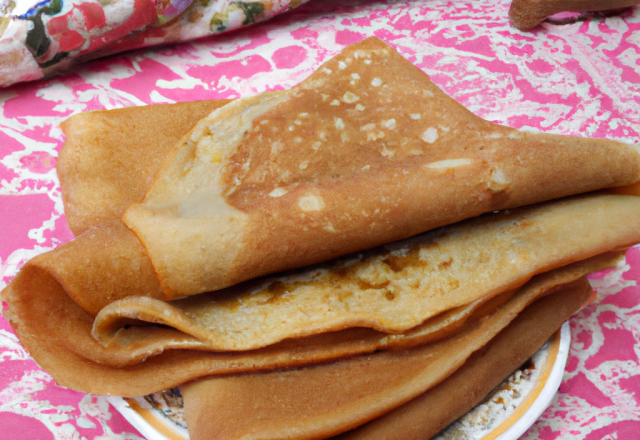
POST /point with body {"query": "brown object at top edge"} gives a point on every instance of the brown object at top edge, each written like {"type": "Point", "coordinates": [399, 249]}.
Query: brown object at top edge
{"type": "Point", "coordinates": [525, 15]}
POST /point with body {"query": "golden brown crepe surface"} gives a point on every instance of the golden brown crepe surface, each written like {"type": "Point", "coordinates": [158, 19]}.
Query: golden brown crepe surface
{"type": "Point", "coordinates": [110, 156]}
{"type": "Point", "coordinates": [354, 157]}
{"type": "Point", "coordinates": [102, 265]}
{"type": "Point", "coordinates": [393, 289]}
{"type": "Point", "coordinates": [321, 401]}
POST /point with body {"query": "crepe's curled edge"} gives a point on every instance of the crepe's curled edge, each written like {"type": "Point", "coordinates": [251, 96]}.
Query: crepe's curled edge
{"type": "Point", "coordinates": [110, 156]}
{"type": "Point", "coordinates": [390, 289]}
{"type": "Point", "coordinates": [527, 14]}
{"type": "Point", "coordinates": [322, 401]}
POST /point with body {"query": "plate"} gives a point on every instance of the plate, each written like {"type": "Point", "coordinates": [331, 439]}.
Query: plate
{"type": "Point", "coordinates": [531, 397]}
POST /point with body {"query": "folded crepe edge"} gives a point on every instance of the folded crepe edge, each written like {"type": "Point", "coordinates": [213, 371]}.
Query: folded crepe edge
{"type": "Point", "coordinates": [109, 156]}
{"type": "Point", "coordinates": [81, 343]}
{"type": "Point", "coordinates": [355, 341]}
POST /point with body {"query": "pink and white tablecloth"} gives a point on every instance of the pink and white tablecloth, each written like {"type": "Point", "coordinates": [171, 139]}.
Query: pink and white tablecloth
{"type": "Point", "coordinates": [579, 79]}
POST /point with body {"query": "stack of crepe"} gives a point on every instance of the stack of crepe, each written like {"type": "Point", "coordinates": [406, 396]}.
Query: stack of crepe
{"type": "Point", "coordinates": [306, 263]}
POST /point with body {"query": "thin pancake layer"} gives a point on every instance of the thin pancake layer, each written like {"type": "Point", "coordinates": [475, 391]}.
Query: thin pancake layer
{"type": "Point", "coordinates": [366, 151]}
{"type": "Point", "coordinates": [110, 156]}
{"type": "Point", "coordinates": [392, 289]}
{"type": "Point", "coordinates": [57, 333]}
{"type": "Point", "coordinates": [321, 401]}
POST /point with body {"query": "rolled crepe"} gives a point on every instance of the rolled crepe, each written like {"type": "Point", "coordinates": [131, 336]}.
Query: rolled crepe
{"type": "Point", "coordinates": [357, 156]}
{"type": "Point", "coordinates": [392, 289]}
{"type": "Point", "coordinates": [323, 401]}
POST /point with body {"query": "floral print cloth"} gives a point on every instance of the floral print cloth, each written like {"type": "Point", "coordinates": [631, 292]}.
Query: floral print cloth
{"type": "Point", "coordinates": [40, 37]}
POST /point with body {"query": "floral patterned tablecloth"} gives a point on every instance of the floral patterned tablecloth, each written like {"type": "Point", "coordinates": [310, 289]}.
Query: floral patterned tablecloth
{"type": "Point", "coordinates": [579, 79]}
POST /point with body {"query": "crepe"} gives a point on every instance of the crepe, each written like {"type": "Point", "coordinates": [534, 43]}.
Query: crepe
{"type": "Point", "coordinates": [62, 343]}
{"type": "Point", "coordinates": [527, 14]}
{"type": "Point", "coordinates": [392, 289]}
{"type": "Point", "coordinates": [323, 401]}
{"type": "Point", "coordinates": [293, 199]}
{"type": "Point", "coordinates": [297, 173]}
{"type": "Point", "coordinates": [110, 156]}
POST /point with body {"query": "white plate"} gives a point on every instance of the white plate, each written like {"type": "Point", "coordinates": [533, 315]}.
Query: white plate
{"type": "Point", "coordinates": [545, 395]}
{"type": "Point", "coordinates": [151, 423]}
{"type": "Point", "coordinates": [154, 425]}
